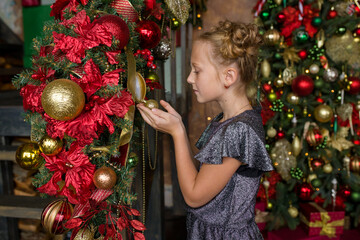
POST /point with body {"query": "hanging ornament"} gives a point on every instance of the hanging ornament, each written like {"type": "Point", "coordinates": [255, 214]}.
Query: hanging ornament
{"type": "Point", "coordinates": [278, 2]}
{"type": "Point", "coordinates": [319, 83]}
{"type": "Point", "coordinates": [301, 37]}
{"type": "Point", "coordinates": [84, 234]}
{"type": "Point", "coordinates": [50, 146]}
{"type": "Point", "coordinates": [63, 99]}
{"type": "Point", "coordinates": [323, 113]}
{"type": "Point", "coordinates": [344, 191]}
{"type": "Point", "coordinates": [355, 164]}
{"type": "Point", "coordinates": [280, 134]}
{"type": "Point", "coordinates": [149, 34]}
{"type": "Point", "coordinates": [55, 215]}
{"type": "Point", "coordinates": [330, 74]}
{"type": "Point", "coordinates": [311, 176]}
{"type": "Point", "coordinates": [272, 37]}
{"type": "Point", "coordinates": [137, 87]}
{"type": "Point", "coordinates": [125, 9]}
{"type": "Point", "coordinates": [303, 54]}
{"type": "Point", "coordinates": [296, 173]}
{"type": "Point", "coordinates": [180, 9]}
{"type": "Point", "coordinates": [292, 98]}
{"type": "Point", "coordinates": [152, 77]}
{"type": "Point", "coordinates": [332, 13]}
{"type": "Point", "coordinates": [28, 156]}
{"type": "Point", "coordinates": [280, 18]}
{"type": "Point", "coordinates": [132, 160]}
{"type": "Point", "coordinates": [327, 168]}
{"type": "Point", "coordinates": [175, 24]}
{"type": "Point", "coordinates": [278, 82]}
{"type": "Point", "coordinates": [346, 164]}
{"type": "Point", "coordinates": [283, 159]}
{"type": "Point", "coordinates": [314, 137]}
{"type": "Point", "coordinates": [278, 56]}
{"type": "Point", "coordinates": [265, 15]}
{"type": "Point", "coordinates": [296, 146]}
{"type": "Point", "coordinates": [265, 68]}
{"type": "Point", "coordinates": [289, 114]}
{"type": "Point", "coordinates": [267, 87]}
{"type": "Point", "coordinates": [302, 85]}
{"type": "Point", "coordinates": [356, 32]}
{"type": "Point", "coordinates": [271, 132]}
{"type": "Point", "coordinates": [163, 50]}
{"type": "Point", "coordinates": [272, 96]}
{"type": "Point", "coordinates": [314, 68]}
{"type": "Point", "coordinates": [354, 85]}
{"type": "Point", "coordinates": [104, 178]}
{"type": "Point", "coordinates": [345, 112]}
{"type": "Point", "coordinates": [288, 75]}
{"type": "Point", "coordinates": [317, 163]}
{"type": "Point", "coordinates": [293, 211]}
{"type": "Point", "coordinates": [117, 27]}
{"type": "Point", "coordinates": [316, 183]}
{"type": "Point", "coordinates": [151, 104]}
{"type": "Point", "coordinates": [355, 196]}
{"type": "Point", "coordinates": [341, 30]}
{"type": "Point", "coordinates": [305, 191]}
{"type": "Point", "coordinates": [316, 21]}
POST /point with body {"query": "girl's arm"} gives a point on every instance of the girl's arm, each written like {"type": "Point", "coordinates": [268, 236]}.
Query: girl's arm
{"type": "Point", "coordinates": [197, 187]}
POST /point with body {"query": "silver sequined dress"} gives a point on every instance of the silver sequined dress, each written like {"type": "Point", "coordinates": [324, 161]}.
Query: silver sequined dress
{"type": "Point", "coordinates": [230, 214]}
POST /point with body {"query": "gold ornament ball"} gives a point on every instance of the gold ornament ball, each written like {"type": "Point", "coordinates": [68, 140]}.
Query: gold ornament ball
{"type": "Point", "coordinates": [279, 82]}
{"type": "Point", "coordinates": [271, 132]}
{"type": "Point", "coordinates": [151, 104]}
{"type": "Point", "coordinates": [269, 205]}
{"type": "Point", "coordinates": [293, 212]}
{"type": "Point", "coordinates": [50, 146]}
{"type": "Point", "coordinates": [357, 106]}
{"type": "Point", "coordinates": [104, 178]}
{"type": "Point", "coordinates": [153, 77]}
{"type": "Point", "coordinates": [292, 98]}
{"type": "Point", "coordinates": [272, 37]}
{"type": "Point", "coordinates": [63, 99]}
{"type": "Point", "coordinates": [327, 168]}
{"type": "Point", "coordinates": [28, 156]}
{"type": "Point", "coordinates": [311, 177]}
{"type": "Point", "coordinates": [323, 113]}
{"type": "Point", "coordinates": [272, 96]}
{"type": "Point", "coordinates": [55, 215]}
{"type": "Point", "coordinates": [84, 234]}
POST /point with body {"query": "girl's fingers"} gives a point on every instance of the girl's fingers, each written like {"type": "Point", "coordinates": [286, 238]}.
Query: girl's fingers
{"type": "Point", "coordinates": [169, 108]}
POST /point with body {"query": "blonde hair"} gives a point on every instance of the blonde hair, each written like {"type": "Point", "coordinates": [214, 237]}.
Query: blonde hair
{"type": "Point", "coordinates": [236, 43]}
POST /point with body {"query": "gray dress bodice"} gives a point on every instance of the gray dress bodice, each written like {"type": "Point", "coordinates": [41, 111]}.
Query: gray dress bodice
{"type": "Point", "coordinates": [230, 214]}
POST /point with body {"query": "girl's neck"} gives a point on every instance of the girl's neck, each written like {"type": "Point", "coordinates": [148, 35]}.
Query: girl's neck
{"type": "Point", "coordinates": [232, 105]}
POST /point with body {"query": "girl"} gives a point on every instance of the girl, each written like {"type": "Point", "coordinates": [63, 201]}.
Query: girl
{"type": "Point", "coordinates": [222, 194]}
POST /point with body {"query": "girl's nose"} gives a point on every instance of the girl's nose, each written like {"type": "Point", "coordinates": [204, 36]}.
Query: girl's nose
{"type": "Point", "coordinates": [189, 79]}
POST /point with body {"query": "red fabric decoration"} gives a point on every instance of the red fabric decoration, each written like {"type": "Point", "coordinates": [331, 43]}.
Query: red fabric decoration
{"type": "Point", "coordinates": [273, 177]}
{"type": "Point", "coordinates": [58, 7]}
{"type": "Point", "coordinates": [112, 57]}
{"type": "Point", "coordinates": [43, 74]}
{"type": "Point", "coordinates": [266, 112]}
{"type": "Point", "coordinates": [355, 119]}
{"type": "Point", "coordinates": [32, 97]}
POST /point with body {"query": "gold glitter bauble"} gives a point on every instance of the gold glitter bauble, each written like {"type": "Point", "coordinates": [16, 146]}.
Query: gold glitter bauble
{"type": "Point", "coordinates": [271, 132]}
{"type": "Point", "coordinates": [292, 98]}
{"type": "Point", "coordinates": [104, 178]}
{"type": "Point", "coordinates": [288, 75]}
{"type": "Point", "coordinates": [293, 212]}
{"type": "Point", "coordinates": [28, 156]}
{"type": "Point", "coordinates": [272, 37]}
{"type": "Point", "coordinates": [327, 168]}
{"type": "Point", "coordinates": [63, 99]}
{"type": "Point", "coordinates": [50, 146]}
{"type": "Point", "coordinates": [279, 82]}
{"type": "Point", "coordinates": [84, 234]}
{"type": "Point", "coordinates": [151, 104]}
{"type": "Point", "coordinates": [323, 113]}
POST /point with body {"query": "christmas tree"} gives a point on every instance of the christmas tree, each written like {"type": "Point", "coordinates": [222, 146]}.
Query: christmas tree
{"type": "Point", "coordinates": [310, 85]}
{"type": "Point", "coordinates": [79, 96]}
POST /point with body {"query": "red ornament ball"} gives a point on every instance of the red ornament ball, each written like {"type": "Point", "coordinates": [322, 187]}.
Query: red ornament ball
{"type": "Point", "coordinates": [344, 192]}
{"type": "Point", "coordinates": [55, 215]}
{"type": "Point", "coordinates": [305, 191]}
{"type": "Point", "coordinates": [280, 134]}
{"type": "Point", "coordinates": [356, 141]}
{"type": "Point", "coordinates": [149, 34]}
{"type": "Point", "coordinates": [302, 85]}
{"type": "Point", "coordinates": [357, 31]}
{"type": "Point", "coordinates": [302, 54]}
{"type": "Point", "coordinates": [320, 100]}
{"type": "Point", "coordinates": [354, 85]}
{"type": "Point", "coordinates": [117, 27]}
{"type": "Point", "coordinates": [317, 163]}
{"type": "Point", "coordinates": [280, 18]}
{"type": "Point", "coordinates": [267, 87]}
{"type": "Point", "coordinates": [331, 14]}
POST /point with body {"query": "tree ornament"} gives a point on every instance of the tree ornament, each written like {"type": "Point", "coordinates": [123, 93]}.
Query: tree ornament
{"type": "Point", "coordinates": [84, 234]}
{"type": "Point", "coordinates": [280, 18]}
{"type": "Point", "coordinates": [175, 24]}
{"type": "Point", "coordinates": [104, 178]}
{"type": "Point", "coordinates": [311, 177]}
{"type": "Point", "coordinates": [125, 9]}
{"type": "Point", "coordinates": [265, 68]}
{"type": "Point", "coordinates": [277, 56]}
{"type": "Point", "coordinates": [341, 30]}
{"type": "Point", "coordinates": [314, 137]}
{"type": "Point", "coordinates": [301, 37]}
{"type": "Point", "coordinates": [332, 13]}
{"type": "Point", "coordinates": [355, 196]}
{"type": "Point", "coordinates": [180, 9]}
{"type": "Point", "coordinates": [323, 113]}
{"type": "Point", "coordinates": [117, 27]}
{"type": "Point", "coordinates": [272, 37]}
{"type": "Point", "coordinates": [296, 173]}
{"type": "Point", "coordinates": [293, 211]}
{"type": "Point", "coordinates": [50, 146]}
{"type": "Point", "coordinates": [267, 87]}
{"type": "Point", "coordinates": [292, 98]}
{"type": "Point", "coordinates": [163, 50]}
{"type": "Point", "coordinates": [305, 191]}
{"type": "Point", "coordinates": [296, 146]}
{"type": "Point", "coordinates": [149, 34]}
{"type": "Point", "coordinates": [346, 164]}
{"type": "Point", "coordinates": [271, 132]}
{"type": "Point", "coordinates": [302, 85]}
{"type": "Point", "coordinates": [354, 85]}
{"type": "Point", "coordinates": [289, 114]}
{"type": "Point", "coordinates": [314, 69]}
{"type": "Point", "coordinates": [355, 164]}
{"type": "Point", "coordinates": [151, 104]}
{"type": "Point", "coordinates": [63, 99]}
{"type": "Point", "coordinates": [137, 87]}
{"type": "Point", "coordinates": [152, 77]}
{"type": "Point", "coordinates": [317, 163]}
{"type": "Point", "coordinates": [330, 74]}
{"type": "Point", "coordinates": [265, 15]}
{"type": "Point", "coordinates": [344, 192]}
{"type": "Point", "coordinates": [283, 159]}
{"type": "Point", "coordinates": [55, 215]}
{"type": "Point", "coordinates": [272, 96]}
{"type": "Point", "coordinates": [356, 32]}
{"type": "Point", "coordinates": [28, 156]}
{"type": "Point", "coordinates": [327, 168]}
{"type": "Point", "coordinates": [132, 160]}
{"type": "Point", "coordinates": [303, 54]}
{"type": "Point", "coordinates": [269, 206]}
{"type": "Point", "coordinates": [280, 134]}
{"type": "Point", "coordinates": [319, 83]}
{"type": "Point", "coordinates": [278, 82]}
{"type": "Point", "coordinates": [316, 183]}
{"type": "Point", "coordinates": [288, 75]}
{"type": "Point", "coordinates": [316, 21]}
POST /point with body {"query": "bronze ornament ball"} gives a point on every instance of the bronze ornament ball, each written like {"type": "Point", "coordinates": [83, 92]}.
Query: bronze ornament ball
{"type": "Point", "coordinates": [292, 98]}
{"type": "Point", "coordinates": [151, 104]}
{"type": "Point", "coordinates": [63, 99]}
{"type": "Point", "coordinates": [28, 156]}
{"type": "Point", "coordinates": [323, 113]}
{"type": "Point", "coordinates": [104, 178]}
{"type": "Point", "coordinates": [50, 146]}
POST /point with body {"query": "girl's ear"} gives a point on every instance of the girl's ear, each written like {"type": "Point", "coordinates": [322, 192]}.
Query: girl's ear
{"type": "Point", "coordinates": [231, 76]}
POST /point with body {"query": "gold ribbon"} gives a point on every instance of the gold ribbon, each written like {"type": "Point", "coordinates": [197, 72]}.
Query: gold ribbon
{"type": "Point", "coordinates": [327, 228]}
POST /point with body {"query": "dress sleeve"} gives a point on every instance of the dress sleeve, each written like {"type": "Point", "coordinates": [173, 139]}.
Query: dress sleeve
{"type": "Point", "coordinates": [237, 140]}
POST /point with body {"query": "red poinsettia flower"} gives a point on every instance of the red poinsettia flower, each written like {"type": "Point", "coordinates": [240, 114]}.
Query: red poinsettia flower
{"type": "Point", "coordinates": [77, 171]}
{"type": "Point", "coordinates": [32, 97]}
{"type": "Point", "coordinates": [43, 74]}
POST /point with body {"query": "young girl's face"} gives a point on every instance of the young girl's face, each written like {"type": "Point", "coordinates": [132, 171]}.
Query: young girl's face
{"type": "Point", "coordinates": [204, 77]}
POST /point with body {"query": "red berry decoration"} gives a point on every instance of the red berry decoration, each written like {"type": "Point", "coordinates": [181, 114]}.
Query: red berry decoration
{"type": "Point", "coordinates": [280, 18]}
{"type": "Point", "coordinates": [331, 14]}
{"type": "Point", "coordinates": [354, 85]}
{"type": "Point", "coordinates": [356, 141]}
{"type": "Point", "coordinates": [302, 54]}
{"type": "Point", "coordinates": [117, 27]}
{"type": "Point", "coordinates": [302, 85]}
{"type": "Point", "coordinates": [149, 34]}
{"type": "Point", "coordinates": [55, 215]}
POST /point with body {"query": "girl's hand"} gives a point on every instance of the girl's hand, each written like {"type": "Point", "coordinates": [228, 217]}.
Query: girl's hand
{"type": "Point", "coordinates": [169, 122]}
